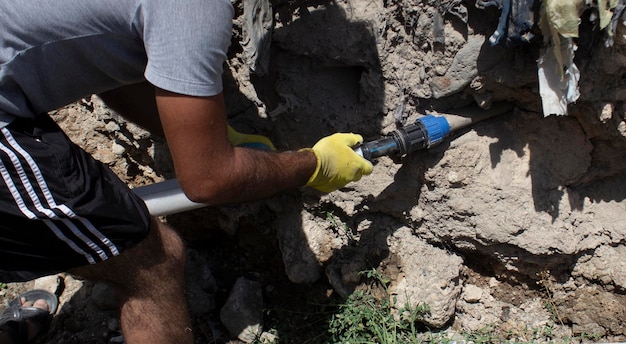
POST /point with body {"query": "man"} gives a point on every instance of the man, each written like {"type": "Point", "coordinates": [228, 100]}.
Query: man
{"type": "Point", "coordinates": [158, 63]}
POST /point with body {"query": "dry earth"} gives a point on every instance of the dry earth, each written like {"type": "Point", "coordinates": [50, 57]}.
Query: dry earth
{"type": "Point", "coordinates": [515, 224]}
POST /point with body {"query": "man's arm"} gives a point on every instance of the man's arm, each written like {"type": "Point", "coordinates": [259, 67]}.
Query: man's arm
{"type": "Point", "coordinates": [209, 169]}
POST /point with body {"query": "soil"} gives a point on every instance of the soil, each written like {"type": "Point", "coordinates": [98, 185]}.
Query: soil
{"type": "Point", "coordinates": [515, 224]}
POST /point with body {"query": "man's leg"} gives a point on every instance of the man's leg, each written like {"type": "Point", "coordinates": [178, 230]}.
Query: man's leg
{"type": "Point", "coordinates": [151, 279]}
{"type": "Point", "coordinates": [61, 208]}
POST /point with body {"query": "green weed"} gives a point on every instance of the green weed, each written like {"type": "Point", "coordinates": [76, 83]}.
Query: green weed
{"type": "Point", "coordinates": [338, 225]}
{"type": "Point", "coordinates": [377, 276]}
{"type": "Point", "coordinates": [365, 319]}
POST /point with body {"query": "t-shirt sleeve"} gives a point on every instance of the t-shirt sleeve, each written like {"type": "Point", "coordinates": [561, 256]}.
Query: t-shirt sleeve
{"type": "Point", "coordinates": [186, 44]}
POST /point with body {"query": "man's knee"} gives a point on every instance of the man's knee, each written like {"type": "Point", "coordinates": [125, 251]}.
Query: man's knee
{"type": "Point", "coordinates": [161, 252]}
{"type": "Point", "coordinates": [173, 246]}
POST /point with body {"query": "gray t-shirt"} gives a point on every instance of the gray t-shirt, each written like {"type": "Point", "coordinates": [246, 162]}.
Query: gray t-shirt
{"type": "Point", "coordinates": [55, 52]}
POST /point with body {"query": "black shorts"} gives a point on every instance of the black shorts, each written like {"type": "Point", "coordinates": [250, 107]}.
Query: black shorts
{"type": "Point", "coordinates": [59, 207]}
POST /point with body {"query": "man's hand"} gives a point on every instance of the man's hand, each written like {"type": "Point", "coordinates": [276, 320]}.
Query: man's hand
{"type": "Point", "coordinates": [238, 139]}
{"type": "Point", "coordinates": [337, 163]}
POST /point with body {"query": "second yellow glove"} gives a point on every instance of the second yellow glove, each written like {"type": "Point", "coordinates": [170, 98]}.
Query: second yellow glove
{"type": "Point", "coordinates": [249, 140]}
{"type": "Point", "coordinates": [337, 163]}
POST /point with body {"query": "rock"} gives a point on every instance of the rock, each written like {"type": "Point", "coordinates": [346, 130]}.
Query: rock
{"type": "Point", "coordinates": [344, 274]}
{"type": "Point", "coordinates": [242, 313]}
{"type": "Point", "coordinates": [430, 276]}
{"type": "Point", "coordinates": [304, 243]}
{"type": "Point", "coordinates": [514, 211]}
{"type": "Point", "coordinates": [463, 70]}
{"type": "Point", "coordinates": [117, 340]}
{"type": "Point", "coordinates": [118, 149]}
{"type": "Point", "coordinates": [52, 284]}
{"type": "Point", "coordinates": [607, 265]}
{"type": "Point", "coordinates": [112, 126]}
{"type": "Point", "coordinates": [105, 296]}
{"type": "Point", "coordinates": [594, 311]}
{"type": "Point", "coordinates": [268, 338]}
{"type": "Point", "coordinates": [72, 286]}
{"type": "Point", "coordinates": [472, 293]}
{"type": "Point", "coordinates": [201, 285]}
{"type": "Point", "coordinates": [113, 325]}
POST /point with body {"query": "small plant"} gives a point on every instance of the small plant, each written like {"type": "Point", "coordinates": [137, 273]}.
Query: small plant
{"type": "Point", "coordinates": [592, 337]}
{"type": "Point", "coordinates": [545, 332]}
{"type": "Point", "coordinates": [496, 333]}
{"type": "Point", "coordinates": [483, 335]}
{"type": "Point", "coordinates": [365, 319]}
{"type": "Point", "coordinates": [377, 276]}
{"type": "Point", "coordinates": [546, 281]}
{"type": "Point", "coordinates": [338, 225]}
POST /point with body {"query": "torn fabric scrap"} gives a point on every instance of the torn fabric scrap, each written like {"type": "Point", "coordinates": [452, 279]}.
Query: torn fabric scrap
{"type": "Point", "coordinates": [563, 16]}
{"type": "Point", "coordinates": [257, 30]}
{"type": "Point", "coordinates": [521, 22]}
{"type": "Point", "coordinates": [558, 75]}
{"type": "Point", "coordinates": [515, 22]}
{"type": "Point", "coordinates": [557, 89]}
{"type": "Point", "coordinates": [618, 13]}
{"type": "Point", "coordinates": [605, 11]}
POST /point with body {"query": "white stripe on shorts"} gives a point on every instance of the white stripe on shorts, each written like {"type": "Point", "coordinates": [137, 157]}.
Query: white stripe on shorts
{"type": "Point", "coordinates": [70, 220]}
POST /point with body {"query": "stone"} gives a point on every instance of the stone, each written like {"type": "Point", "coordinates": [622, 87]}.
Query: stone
{"type": "Point", "coordinates": [242, 313]}
{"type": "Point", "coordinates": [430, 276]}
{"type": "Point", "coordinates": [52, 284]}
{"type": "Point", "coordinates": [472, 293]}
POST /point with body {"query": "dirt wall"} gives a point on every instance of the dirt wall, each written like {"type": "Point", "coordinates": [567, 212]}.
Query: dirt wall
{"type": "Point", "coordinates": [487, 226]}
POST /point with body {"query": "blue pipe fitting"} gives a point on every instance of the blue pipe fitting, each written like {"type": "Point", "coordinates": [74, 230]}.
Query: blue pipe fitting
{"type": "Point", "coordinates": [436, 128]}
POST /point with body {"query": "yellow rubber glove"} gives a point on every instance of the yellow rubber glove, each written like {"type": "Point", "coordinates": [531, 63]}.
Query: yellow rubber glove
{"type": "Point", "coordinates": [337, 163]}
{"type": "Point", "coordinates": [249, 140]}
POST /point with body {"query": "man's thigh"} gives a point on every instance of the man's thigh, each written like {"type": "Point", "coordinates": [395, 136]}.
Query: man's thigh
{"type": "Point", "coordinates": [59, 207]}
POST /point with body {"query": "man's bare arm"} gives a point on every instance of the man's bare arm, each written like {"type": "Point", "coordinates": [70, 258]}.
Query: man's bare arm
{"type": "Point", "coordinates": [209, 169]}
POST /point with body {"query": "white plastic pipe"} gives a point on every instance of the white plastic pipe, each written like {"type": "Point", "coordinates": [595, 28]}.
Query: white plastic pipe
{"type": "Point", "coordinates": [166, 198]}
